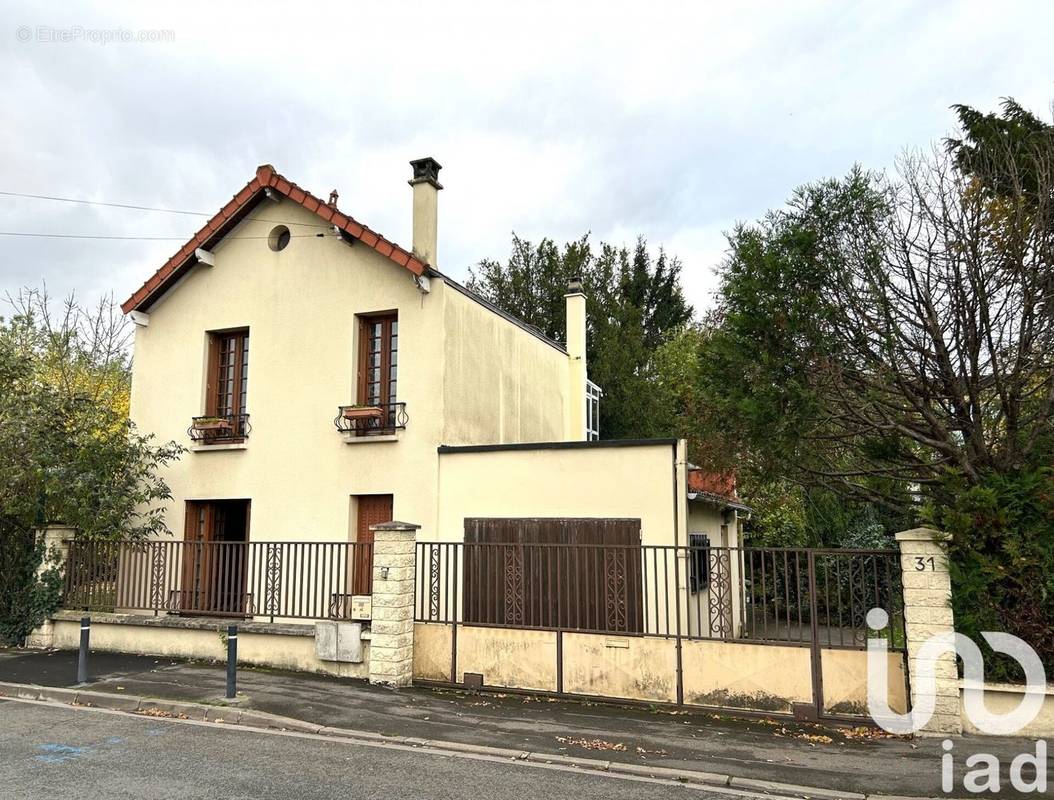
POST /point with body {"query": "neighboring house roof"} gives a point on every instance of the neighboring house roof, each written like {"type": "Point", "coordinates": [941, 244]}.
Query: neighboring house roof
{"type": "Point", "coordinates": [718, 500]}
{"type": "Point", "coordinates": [237, 209]}
{"type": "Point", "coordinates": [714, 487]}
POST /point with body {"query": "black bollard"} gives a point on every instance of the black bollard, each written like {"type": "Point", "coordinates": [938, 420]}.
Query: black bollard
{"type": "Point", "coordinates": [82, 658]}
{"type": "Point", "coordinates": [232, 661]}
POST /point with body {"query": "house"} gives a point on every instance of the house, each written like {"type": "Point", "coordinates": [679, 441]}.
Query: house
{"type": "Point", "coordinates": [328, 382]}
{"type": "Point", "coordinates": [326, 379]}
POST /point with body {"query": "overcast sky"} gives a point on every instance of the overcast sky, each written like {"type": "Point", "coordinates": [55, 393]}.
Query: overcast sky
{"type": "Point", "coordinates": [668, 120]}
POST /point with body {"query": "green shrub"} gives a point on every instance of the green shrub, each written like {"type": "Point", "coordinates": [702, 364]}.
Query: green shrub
{"type": "Point", "coordinates": [1001, 558]}
{"type": "Point", "coordinates": [26, 599]}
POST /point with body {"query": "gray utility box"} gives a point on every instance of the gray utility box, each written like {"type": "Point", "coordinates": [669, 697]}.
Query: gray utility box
{"type": "Point", "coordinates": [339, 641]}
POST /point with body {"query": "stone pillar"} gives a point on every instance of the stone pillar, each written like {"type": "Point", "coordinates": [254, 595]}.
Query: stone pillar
{"type": "Point", "coordinates": [392, 628]}
{"type": "Point", "coordinates": [56, 551]}
{"type": "Point", "coordinates": [927, 613]}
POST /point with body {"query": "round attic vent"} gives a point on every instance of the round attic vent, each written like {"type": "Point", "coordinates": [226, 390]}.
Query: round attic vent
{"type": "Point", "coordinates": [278, 238]}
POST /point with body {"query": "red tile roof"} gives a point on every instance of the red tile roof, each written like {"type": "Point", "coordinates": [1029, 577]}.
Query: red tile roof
{"type": "Point", "coordinates": [712, 483]}
{"type": "Point", "coordinates": [236, 210]}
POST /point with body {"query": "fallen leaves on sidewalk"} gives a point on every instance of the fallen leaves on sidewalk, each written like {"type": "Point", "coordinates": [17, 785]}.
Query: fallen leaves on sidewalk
{"type": "Point", "coordinates": [811, 738]}
{"type": "Point", "coordinates": [642, 752]}
{"type": "Point", "coordinates": [592, 744]}
{"type": "Point", "coordinates": [864, 732]}
{"type": "Point", "coordinates": [160, 712]}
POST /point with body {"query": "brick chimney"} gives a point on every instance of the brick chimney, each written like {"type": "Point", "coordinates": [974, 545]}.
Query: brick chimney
{"type": "Point", "coordinates": [575, 300]}
{"type": "Point", "coordinates": [426, 185]}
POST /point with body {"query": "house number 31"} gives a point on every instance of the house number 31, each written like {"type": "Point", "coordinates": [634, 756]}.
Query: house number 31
{"type": "Point", "coordinates": [923, 563]}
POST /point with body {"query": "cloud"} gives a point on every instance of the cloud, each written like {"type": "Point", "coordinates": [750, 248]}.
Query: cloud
{"type": "Point", "coordinates": [668, 120]}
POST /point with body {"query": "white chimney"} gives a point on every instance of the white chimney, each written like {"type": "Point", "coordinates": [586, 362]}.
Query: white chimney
{"type": "Point", "coordinates": [426, 208]}
{"type": "Point", "coordinates": [576, 361]}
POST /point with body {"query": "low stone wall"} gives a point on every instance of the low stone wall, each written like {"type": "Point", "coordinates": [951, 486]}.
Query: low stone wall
{"type": "Point", "coordinates": [1002, 698]}
{"type": "Point", "coordinates": [844, 675]}
{"type": "Point", "coordinates": [630, 667]}
{"type": "Point", "coordinates": [745, 675]}
{"type": "Point", "coordinates": [259, 643]}
{"type": "Point", "coordinates": [749, 676]}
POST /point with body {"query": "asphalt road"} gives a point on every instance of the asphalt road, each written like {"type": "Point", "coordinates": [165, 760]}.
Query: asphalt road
{"type": "Point", "coordinates": [49, 752]}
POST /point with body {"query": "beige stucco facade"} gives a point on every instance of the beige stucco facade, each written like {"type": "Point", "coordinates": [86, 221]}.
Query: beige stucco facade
{"type": "Point", "coordinates": [467, 375]}
{"type": "Point", "coordinates": [635, 480]}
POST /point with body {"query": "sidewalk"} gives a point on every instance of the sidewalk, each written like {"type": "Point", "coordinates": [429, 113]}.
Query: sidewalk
{"type": "Point", "coordinates": [764, 750]}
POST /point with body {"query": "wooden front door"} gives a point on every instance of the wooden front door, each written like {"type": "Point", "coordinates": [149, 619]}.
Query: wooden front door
{"type": "Point", "coordinates": [199, 531]}
{"type": "Point", "coordinates": [215, 555]}
{"type": "Point", "coordinates": [372, 509]}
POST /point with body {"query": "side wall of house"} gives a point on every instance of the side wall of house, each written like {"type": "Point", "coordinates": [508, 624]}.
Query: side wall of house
{"type": "Point", "coordinates": [503, 384]}
{"type": "Point", "coordinates": [637, 481]}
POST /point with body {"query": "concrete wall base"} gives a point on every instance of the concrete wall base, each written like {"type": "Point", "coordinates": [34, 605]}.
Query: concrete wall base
{"type": "Point", "coordinates": [1002, 698]}
{"type": "Point", "coordinates": [289, 647]}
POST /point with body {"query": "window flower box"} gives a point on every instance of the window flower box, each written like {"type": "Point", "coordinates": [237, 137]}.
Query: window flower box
{"type": "Point", "coordinates": [363, 412]}
{"type": "Point", "coordinates": [212, 424]}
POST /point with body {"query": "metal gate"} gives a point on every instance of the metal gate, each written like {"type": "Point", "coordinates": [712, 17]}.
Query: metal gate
{"type": "Point", "coordinates": [712, 627]}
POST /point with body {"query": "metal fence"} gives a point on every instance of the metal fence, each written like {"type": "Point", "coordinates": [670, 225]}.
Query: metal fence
{"type": "Point", "coordinates": [290, 580]}
{"type": "Point", "coordinates": [800, 596]}
{"type": "Point", "coordinates": [795, 596]}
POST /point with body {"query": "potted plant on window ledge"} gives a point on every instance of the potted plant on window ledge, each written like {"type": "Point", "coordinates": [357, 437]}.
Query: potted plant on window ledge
{"type": "Point", "coordinates": [212, 424]}
{"type": "Point", "coordinates": [363, 411]}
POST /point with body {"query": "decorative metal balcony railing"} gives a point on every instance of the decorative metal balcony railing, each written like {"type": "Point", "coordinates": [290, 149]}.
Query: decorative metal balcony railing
{"type": "Point", "coordinates": [371, 419]}
{"type": "Point", "coordinates": [219, 429]}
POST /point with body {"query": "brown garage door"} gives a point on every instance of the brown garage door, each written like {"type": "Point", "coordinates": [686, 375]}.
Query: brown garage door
{"type": "Point", "coordinates": [554, 572]}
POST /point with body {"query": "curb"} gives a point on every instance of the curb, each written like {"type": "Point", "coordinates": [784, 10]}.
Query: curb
{"type": "Point", "coordinates": [227, 715]}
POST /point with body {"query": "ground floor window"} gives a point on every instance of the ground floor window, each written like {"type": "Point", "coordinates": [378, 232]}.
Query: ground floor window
{"type": "Point", "coordinates": [698, 562]}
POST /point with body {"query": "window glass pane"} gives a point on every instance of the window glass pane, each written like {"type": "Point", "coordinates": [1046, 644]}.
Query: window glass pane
{"type": "Point", "coordinates": [230, 379]}
{"type": "Point", "coordinates": [699, 562]}
{"type": "Point", "coordinates": [393, 359]}
{"type": "Point", "coordinates": [379, 360]}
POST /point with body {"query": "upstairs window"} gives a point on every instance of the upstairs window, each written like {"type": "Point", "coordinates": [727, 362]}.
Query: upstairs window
{"type": "Point", "coordinates": [378, 360]}
{"type": "Point", "coordinates": [226, 394]}
{"type": "Point", "coordinates": [593, 395]}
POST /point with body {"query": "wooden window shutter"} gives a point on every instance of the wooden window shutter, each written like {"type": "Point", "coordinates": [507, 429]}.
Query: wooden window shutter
{"type": "Point", "coordinates": [212, 375]}
{"type": "Point", "coordinates": [360, 391]}
{"type": "Point", "coordinates": [190, 523]}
